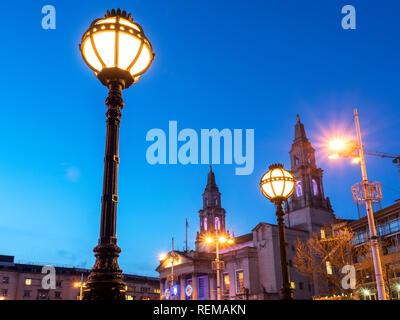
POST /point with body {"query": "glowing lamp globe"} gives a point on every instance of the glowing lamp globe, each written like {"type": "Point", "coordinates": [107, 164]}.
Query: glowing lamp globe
{"type": "Point", "coordinates": [116, 48]}
{"type": "Point", "coordinates": [277, 183]}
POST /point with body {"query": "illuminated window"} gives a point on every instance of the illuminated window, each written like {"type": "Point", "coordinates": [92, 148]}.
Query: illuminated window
{"type": "Point", "coordinates": [239, 281]}
{"type": "Point", "coordinates": [299, 190]}
{"type": "Point", "coordinates": [292, 285]}
{"type": "Point", "coordinates": [226, 283]}
{"type": "Point", "coordinates": [315, 187]}
{"type": "Point", "coordinates": [156, 290]}
{"type": "Point", "coordinates": [217, 224]}
{"type": "Point", "coordinates": [205, 223]}
{"type": "Point", "coordinates": [28, 282]}
{"type": "Point", "coordinates": [328, 267]}
{"type": "Point", "coordinates": [129, 297]}
{"type": "Point", "coordinates": [322, 234]}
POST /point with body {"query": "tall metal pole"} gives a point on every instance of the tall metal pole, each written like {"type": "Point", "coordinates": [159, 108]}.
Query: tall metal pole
{"type": "Point", "coordinates": [105, 281]}
{"type": "Point", "coordinates": [172, 270]}
{"type": "Point", "coordinates": [370, 214]}
{"type": "Point", "coordinates": [286, 290]}
{"type": "Point", "coordinates": [81, 288]}
{"type": "Point", "coordinates": [218, 267]}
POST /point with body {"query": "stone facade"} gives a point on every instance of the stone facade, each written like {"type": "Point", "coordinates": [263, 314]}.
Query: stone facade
{"type": "Point", "coordinates": [24, 282]}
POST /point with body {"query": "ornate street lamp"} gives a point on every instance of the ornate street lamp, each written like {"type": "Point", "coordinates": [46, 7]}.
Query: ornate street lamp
{"type": "Point", "coordinates": [277, 185]}
{"type": "Point", "coordinates": [118, 52]}
{"type": "Point", "coordinates": [219, 239]}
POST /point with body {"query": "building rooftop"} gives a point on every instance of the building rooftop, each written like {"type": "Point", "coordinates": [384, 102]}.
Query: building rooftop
{"type": "Point", "coordinates": [7, 263]}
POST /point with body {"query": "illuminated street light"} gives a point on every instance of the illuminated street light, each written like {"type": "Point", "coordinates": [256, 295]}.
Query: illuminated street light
{"type": "Point", "coordinates": [355, 150]}
{"type": "Point", "coordinates": [170, 257]}
{"type": "Point", "coordinates": [80, 285]}
{"type": "Point", "coordinates": [277, 185]}
{"type": "Point", "coordinates": [118, 52]}
{"type": "Point", "coordinates": [162, 256]}
{"type": "Point", "coordinates": [366, 292]}
{"type": "Point", "coordinates": [217, 264]}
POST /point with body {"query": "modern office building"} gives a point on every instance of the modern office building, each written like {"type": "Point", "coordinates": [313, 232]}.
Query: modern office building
{"type": "Point", "coordinates": [387, 221]}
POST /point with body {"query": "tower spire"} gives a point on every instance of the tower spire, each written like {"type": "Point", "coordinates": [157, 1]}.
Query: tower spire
{"type": "Point", "coordinates": [211, 184]}
{"type": "Point", "coordinates": [212, 215]}
{"type": "Point", "coordinates": [299, 132]}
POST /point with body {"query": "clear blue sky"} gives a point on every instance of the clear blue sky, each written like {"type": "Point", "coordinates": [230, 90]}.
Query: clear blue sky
{"type": "Point", "coordinates": [219, 64]}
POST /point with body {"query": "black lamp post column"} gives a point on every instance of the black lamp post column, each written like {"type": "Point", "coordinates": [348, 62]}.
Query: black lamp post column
{"type": "Point", "coordinates": [106, 280]}
{"type": "Point", "coordinates": [286, 290]}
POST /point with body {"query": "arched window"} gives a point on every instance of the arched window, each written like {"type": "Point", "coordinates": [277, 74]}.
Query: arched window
{"type": "Point", "coordinates": [217, 224]}
{"type": "Point", "coordinates": [299, 190]}
{"type": "Point", "coordinates": [315, 187]}
{"type": "Point", "coordinates": [205, 223]}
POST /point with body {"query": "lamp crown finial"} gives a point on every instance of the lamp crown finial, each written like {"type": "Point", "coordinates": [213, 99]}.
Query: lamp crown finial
{"type": "Point", "coordinates": [276, 166]}
{"type": "Point", "coordinates": [119, 13]}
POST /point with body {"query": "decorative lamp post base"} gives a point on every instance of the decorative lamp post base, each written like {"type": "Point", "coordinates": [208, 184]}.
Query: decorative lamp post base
{"type": "Point", "coordinates": [106, 281]}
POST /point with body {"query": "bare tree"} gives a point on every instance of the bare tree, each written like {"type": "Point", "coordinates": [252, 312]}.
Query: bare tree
{"type": "Point", "coordinates": [322, 259]}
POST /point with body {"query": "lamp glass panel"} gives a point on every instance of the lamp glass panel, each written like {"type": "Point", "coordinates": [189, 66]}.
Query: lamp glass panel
{"type": "Point", "coordinates": [288, 188]}
{"type": "Point", "coordinates": [267, 186]}
{"type": "Point", "coordinates": [128, 48]}
{"type": "Point", "coordinates": [278, 187]}
{"type": "Point", "coordinates": [105, 45]}
{"type": "Point", "coordinates": [142, 62]}
{"type": "Point", "coordinates": [90, 56]}
{"type": "Point", "coordinates": [276, 173]}
{"type": "Point", "coordinates": [108, 20]}
{"type": "Point", "coordinates": [129, 24]}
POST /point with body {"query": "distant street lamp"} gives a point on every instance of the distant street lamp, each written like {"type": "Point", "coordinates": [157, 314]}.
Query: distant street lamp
{"type": "Point", "coordinates": [277, 185]}
{"type": "Point", "coordinates": [171, 257]}
{"type": "Point", "coordinates": [355, 150]}
{"type": "Point", "coordinates": [80, 285]}
{"type": "Point", "coordinates": [118, 52]}
{"type": "Point", "coordinates": [218, 265]}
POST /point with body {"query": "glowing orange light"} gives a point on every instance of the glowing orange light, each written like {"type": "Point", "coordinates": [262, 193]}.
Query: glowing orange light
{"type": "Point", "coordinates": [209, 240]}
{"type": "Point", "coordinates": [356, 160]}
{"type": "Point", "coordinates": [222, 239]}
{"type": "Point", "coordinates": [162, 256]}
{"type": "Point", "coordinates": [334, 156]}
{"type": "Point", "coordinates": [337, 144]}
{"type": "Point", "coordinates": [231, 241]}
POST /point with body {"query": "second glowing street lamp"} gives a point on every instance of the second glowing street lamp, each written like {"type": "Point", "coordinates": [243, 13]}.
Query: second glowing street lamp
{"type": "Point", "coordinates": [219, 239]}
{"type": "Point", "coordinates": [277, 185]}
{"type": "Point", "coordinates": [356, 151]}
{"type": "Point", "coordinates": [118, 52]}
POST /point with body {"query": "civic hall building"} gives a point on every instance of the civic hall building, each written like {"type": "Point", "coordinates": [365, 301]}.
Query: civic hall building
{"type": "Point", "coordinates": [252, 264]}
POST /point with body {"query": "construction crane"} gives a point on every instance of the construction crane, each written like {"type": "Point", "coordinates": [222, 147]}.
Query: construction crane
{"type": "Point", "coordinates": [395, 157]}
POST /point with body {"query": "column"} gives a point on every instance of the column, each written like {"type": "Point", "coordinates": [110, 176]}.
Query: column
{"type": "Point", "coordinates": [212, 286]}
{"type": "Point", "coordinates": [183, 285]}
{"type": "Point", "coordinates": [195, 294]}
{"type": "Point", "coordinates": [162, 287]}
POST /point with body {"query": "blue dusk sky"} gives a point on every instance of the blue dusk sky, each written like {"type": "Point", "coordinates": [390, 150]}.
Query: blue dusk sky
{"type": "Point", "coordinates": [219, 64]}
